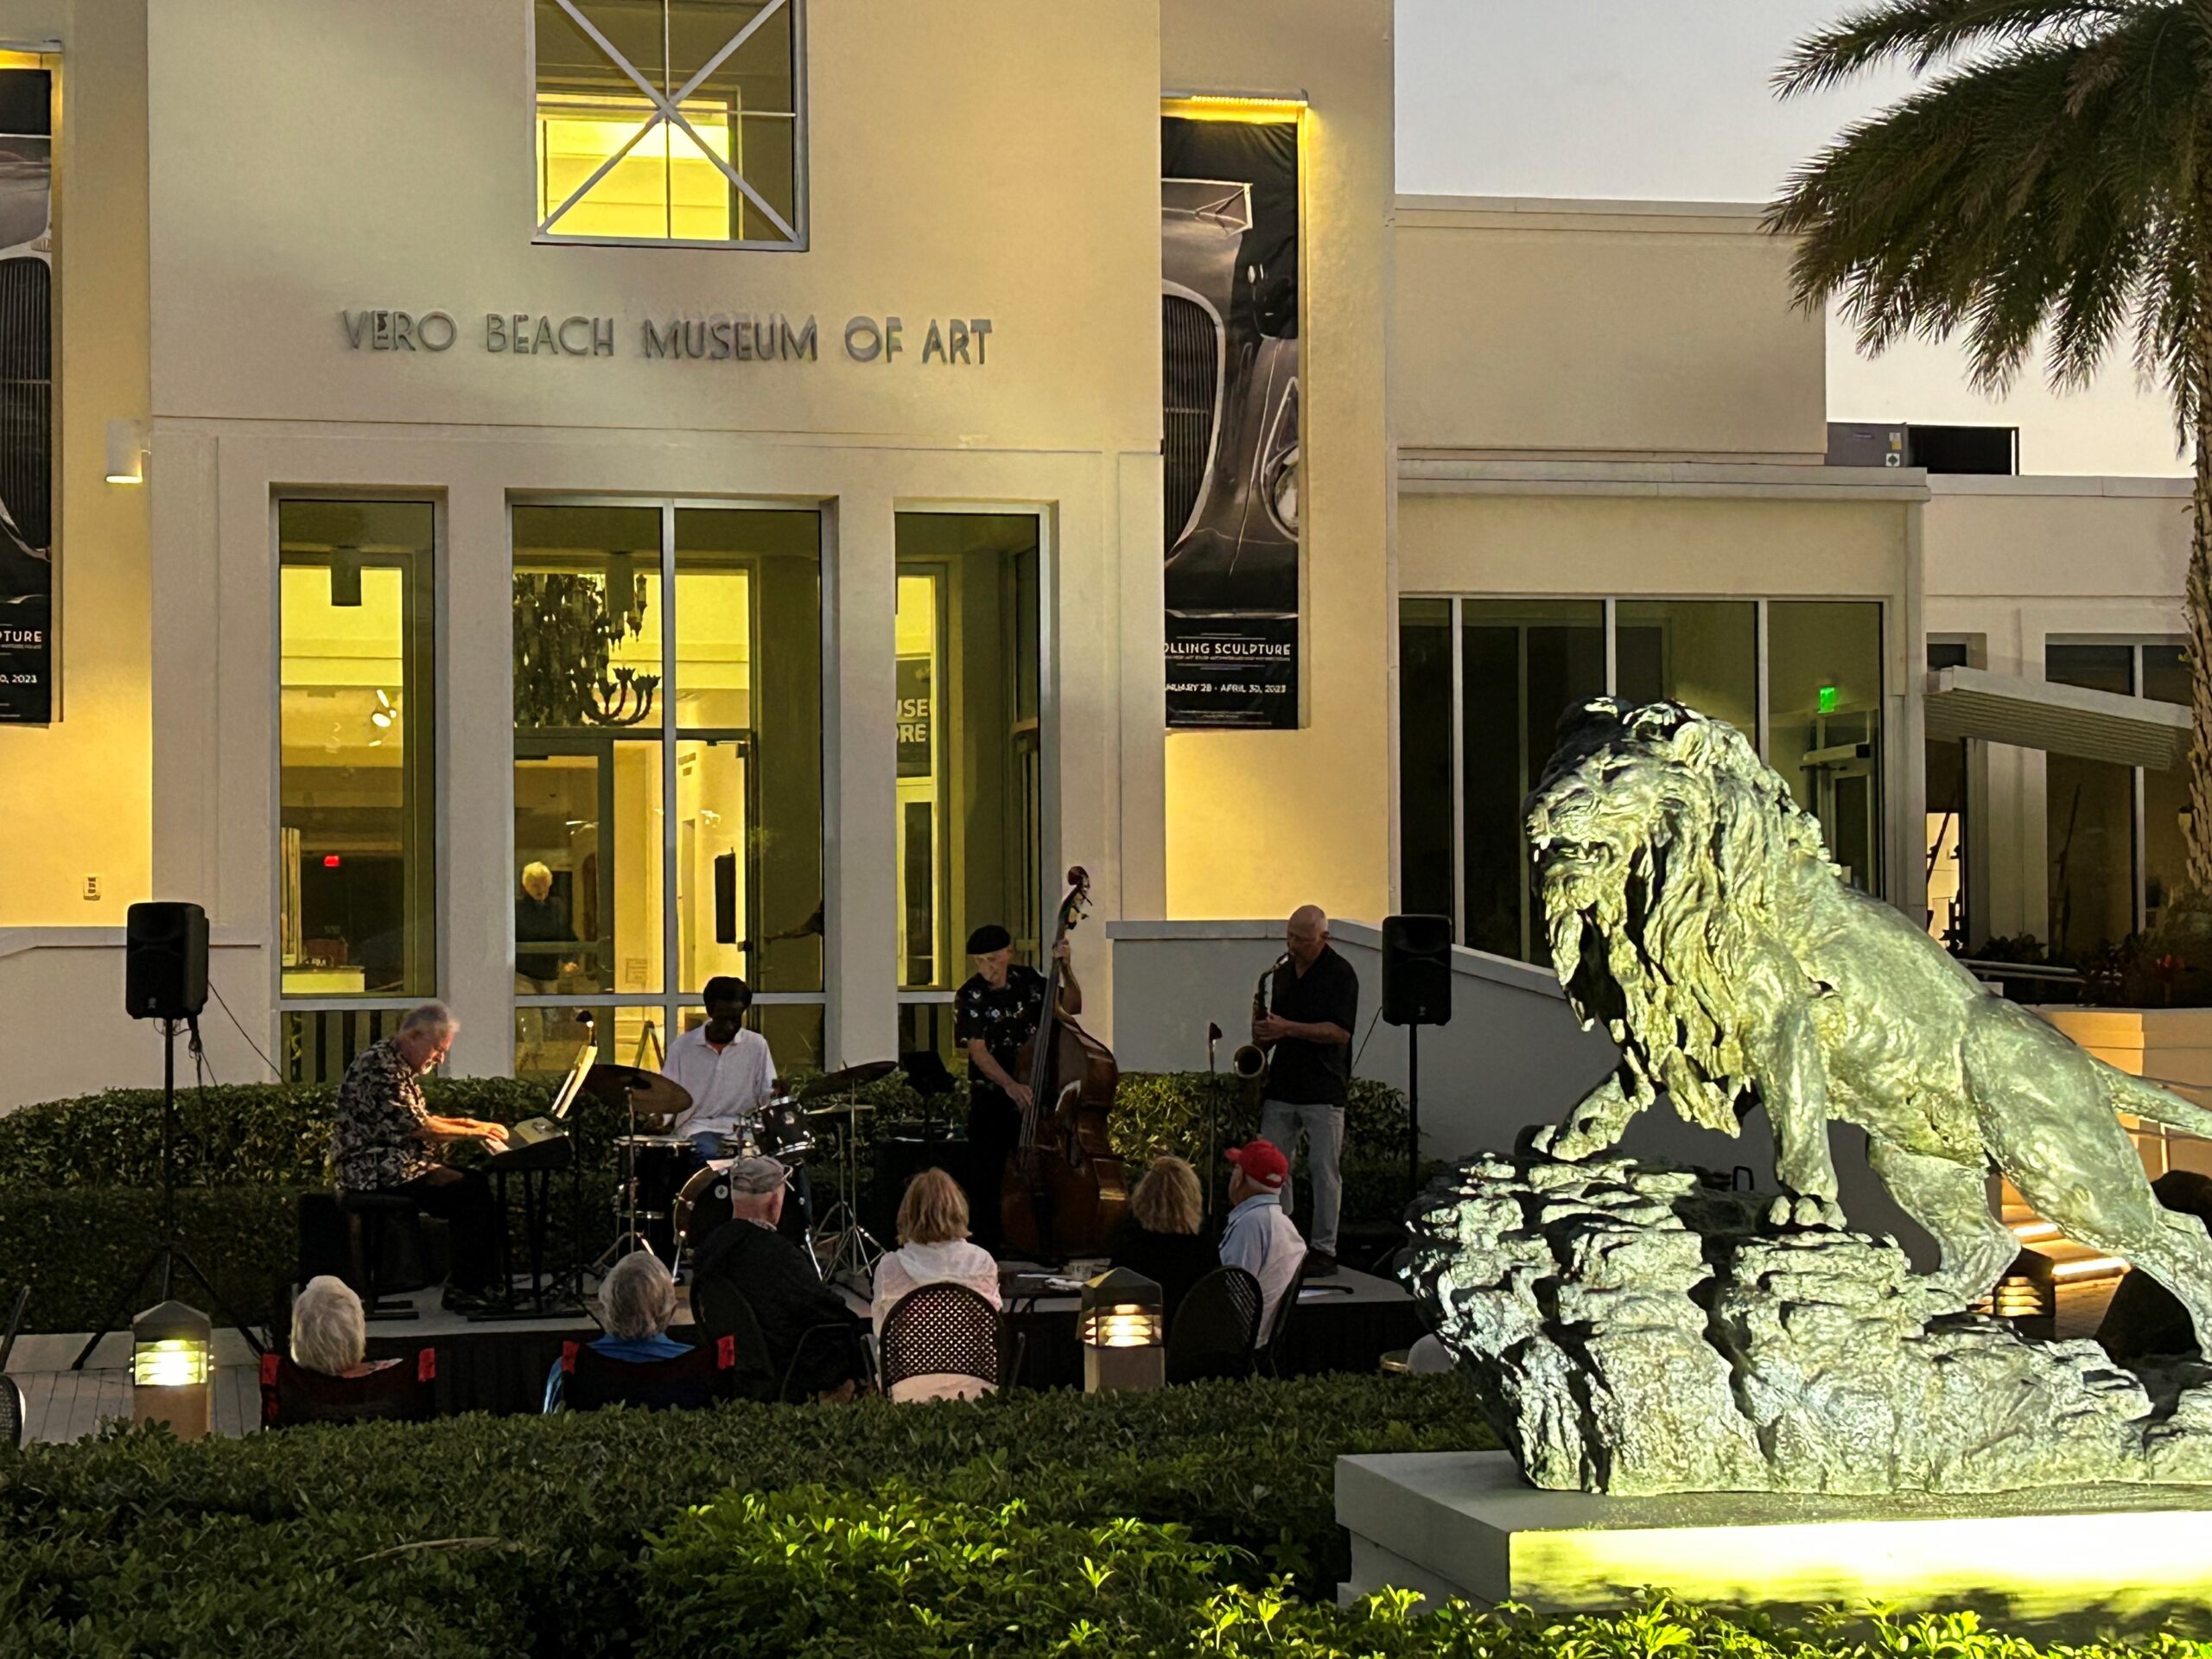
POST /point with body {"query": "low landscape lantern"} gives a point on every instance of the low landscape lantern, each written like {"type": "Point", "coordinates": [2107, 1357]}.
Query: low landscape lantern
{"type": "Point", "coordinates": [170, 1345]}
{"type": "Point", "coordinates": [1123, 1327]}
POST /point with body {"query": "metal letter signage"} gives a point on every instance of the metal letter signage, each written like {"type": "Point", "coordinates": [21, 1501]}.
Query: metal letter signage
{"type": "Point", "coordinates": [715, 337]}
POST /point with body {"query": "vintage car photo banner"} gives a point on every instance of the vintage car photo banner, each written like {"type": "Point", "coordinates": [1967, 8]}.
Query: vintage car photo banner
{"type": "Point", "coordinates": [26, 396]}
{"type": "Point", "coordinates": [1229, 227]}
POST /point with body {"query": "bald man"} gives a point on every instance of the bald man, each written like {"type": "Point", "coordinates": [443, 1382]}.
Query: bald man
{"type": "Point", "coordinates": [1313, 1004]}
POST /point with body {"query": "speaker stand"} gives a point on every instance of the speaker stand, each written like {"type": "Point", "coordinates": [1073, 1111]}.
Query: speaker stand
{"type": "Point", "coordinates": [1413, 1113]}
{"type": "Point", "coordinates": [159, 1269]}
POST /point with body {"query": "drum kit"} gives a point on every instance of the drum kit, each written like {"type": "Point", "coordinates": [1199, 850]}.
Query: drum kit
{"type": "Point", "coordinates": [667, 1201]}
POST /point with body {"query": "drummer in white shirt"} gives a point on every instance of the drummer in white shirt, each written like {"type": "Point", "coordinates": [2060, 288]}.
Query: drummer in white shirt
{"type": "Point", "coordinates": [726, 1069]}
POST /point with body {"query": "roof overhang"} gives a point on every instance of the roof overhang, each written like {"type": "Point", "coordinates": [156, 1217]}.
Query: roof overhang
{"type": "Point", "coordinates": [2056, 719]}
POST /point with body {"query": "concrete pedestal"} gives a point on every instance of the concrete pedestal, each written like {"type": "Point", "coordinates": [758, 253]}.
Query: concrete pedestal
{"type": "Point", "coordinates": [2058, 1561]}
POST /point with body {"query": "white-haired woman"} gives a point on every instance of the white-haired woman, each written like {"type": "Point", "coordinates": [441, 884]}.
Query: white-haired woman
{"type": "Point", "coordinates": [330, 1334]}
{"type": "Point", "coordinates": [637, 1304]}
{"type": "Point", "coordinates": [382, 1138]}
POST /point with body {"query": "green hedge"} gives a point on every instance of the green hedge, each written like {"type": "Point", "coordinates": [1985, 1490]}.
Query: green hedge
{"type": "Point", "coordinates": [245, 1151]}
{"type": "Point", "coordinates": [1194, 1521]}
{"type": "Point", "coordinates": [475, 1535]}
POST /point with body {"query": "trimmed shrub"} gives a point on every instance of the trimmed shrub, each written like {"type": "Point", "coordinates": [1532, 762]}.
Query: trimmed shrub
{"type": "Point", "coordinates": [476, 1535]}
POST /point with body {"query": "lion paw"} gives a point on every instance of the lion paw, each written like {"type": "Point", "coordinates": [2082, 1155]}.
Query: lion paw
{"type": "Point", "coordinates": [1805, 1212]}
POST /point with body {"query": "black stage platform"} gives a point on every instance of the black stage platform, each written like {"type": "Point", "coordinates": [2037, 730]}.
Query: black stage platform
{"type": "Point", "coordinates": [1344, 1323]}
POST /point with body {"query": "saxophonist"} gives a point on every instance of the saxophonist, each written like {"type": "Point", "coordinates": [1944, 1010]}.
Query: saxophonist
{"type": "Point", "coordinates": [1307, 1036]}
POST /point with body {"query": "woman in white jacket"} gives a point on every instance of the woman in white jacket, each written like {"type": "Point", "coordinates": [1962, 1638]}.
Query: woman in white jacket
{"type": "Point", "coordinates": [933, 1249]}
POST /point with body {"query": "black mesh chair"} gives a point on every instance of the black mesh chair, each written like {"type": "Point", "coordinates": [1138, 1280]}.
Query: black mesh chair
{"type": "Point", "coordinates": [12, 1397]}
{"type": "Point", "coordinates": [405, 1392]}
{"type": "Point", "coordinates": [1272, 1344]}
{"type": "Point", "coordinates": [698, 1376]}
{"type": "Point", "coordinates": [719, 1311]}
{"type": "Point", "coordinates": [941, 1330]}
{"type": "Point", "coordinates": [1217, 1329]}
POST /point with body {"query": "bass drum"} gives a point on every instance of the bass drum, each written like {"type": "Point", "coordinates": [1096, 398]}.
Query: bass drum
{"type": "Point", "coordinates": [703, 1206]}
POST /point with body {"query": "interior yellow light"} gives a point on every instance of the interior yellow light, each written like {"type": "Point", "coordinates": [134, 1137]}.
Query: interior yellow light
{"type": "Point", "coordinates": [1234, 106]}
{"type": "Point", "coordinates": [2025, 1231]}
{"type": "Point", "coordinates": [2088, 1267]}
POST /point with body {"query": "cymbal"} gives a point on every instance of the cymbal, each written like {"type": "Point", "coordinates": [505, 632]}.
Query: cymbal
{"type": "Point", "coordinates": [842, 1109]}
{"type": "Point", "coordinates": [853, 1076]}
{"type": "Point", "coordinates": [653, 1096]}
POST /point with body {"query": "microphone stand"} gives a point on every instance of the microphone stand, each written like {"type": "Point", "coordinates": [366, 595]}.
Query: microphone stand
{"type": "Point", "coordinates": [1213, 1112]}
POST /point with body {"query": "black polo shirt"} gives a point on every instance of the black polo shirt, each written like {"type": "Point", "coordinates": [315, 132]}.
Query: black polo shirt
{"type": "Point", "coordinates": [1305, 1073]}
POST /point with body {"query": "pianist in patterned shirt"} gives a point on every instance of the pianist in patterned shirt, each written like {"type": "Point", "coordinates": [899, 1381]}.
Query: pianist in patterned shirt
{"type": "Point", "coordinates": [384, 1141]}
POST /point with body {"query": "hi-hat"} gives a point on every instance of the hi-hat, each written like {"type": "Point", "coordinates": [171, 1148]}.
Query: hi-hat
{"type": "Point", "coordinates": [853, 1076]}
{"type": "Point", "coordinates": [655, 1098]}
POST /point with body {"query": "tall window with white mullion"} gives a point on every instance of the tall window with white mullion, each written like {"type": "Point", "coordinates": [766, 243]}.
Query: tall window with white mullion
{"type": "Point", "coordinates": [668, 774]}
{"type": "Point", "coordinates": [969, 753]}
{"type": "Point", "coordinates": [357, 817]}
{"type": "Point", "coordinates": [670, 121]}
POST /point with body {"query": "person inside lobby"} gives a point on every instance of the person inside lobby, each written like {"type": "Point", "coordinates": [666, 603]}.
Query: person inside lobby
{"type": "Point", "coordinates": [637, 1304]}
{"type": "Point", "coordinates": [545, 953]}
{"type": "Point", "coordinates": [725, 1068]}
{"type": "Point", "coordinates": [933, 1250]}
{"type": "Point", "coordinates": [1164, 1237]}
{"type": "Point", "coordinates": [1261, 1237]}
{"type": "Point", "coordinates": [383, 1137]}
{"type": "Point", "coordinates": [783, 1287]}
{"type": "Point", "coordinates": [1314, 1007]}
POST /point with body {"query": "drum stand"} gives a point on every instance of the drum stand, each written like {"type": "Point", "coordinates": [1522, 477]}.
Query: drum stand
{"type": "Point", "coordinates": [625, 1208]}
{"type": "Point", "coordinates": [857, 1249]}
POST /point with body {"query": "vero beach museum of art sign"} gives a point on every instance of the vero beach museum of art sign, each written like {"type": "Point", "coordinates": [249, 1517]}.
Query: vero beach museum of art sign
{"type": "Point", "coordinates": [718, 336]}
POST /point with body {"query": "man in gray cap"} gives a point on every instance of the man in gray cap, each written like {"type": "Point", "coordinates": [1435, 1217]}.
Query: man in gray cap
{"type": "Point", "coordinates": [781, 1284]}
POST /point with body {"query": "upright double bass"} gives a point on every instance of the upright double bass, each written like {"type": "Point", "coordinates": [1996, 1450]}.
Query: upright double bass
{"type": "Point", "coordinates": [1064, 1187]}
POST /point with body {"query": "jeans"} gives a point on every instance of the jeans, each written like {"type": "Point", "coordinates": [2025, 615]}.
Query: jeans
{"type": "Point", "coordinates": [707, 1143]}
{"type": "Point", "coordinates": [1281, 1121]}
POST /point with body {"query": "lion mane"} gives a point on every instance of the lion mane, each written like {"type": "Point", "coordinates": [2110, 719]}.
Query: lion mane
{"type": "Point", "coordinates": [1660, 839]}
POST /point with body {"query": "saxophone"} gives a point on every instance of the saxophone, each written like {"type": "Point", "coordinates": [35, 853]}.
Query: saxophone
{"type": "Point", "coordinates": [1249, 1063]}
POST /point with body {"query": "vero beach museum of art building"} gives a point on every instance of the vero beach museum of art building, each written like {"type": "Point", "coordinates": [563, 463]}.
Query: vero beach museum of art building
{"type": "Point", "coordinates": [541, 502]}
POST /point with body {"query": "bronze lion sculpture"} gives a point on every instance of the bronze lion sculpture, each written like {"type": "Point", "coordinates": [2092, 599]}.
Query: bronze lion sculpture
{"type": "Point", "coordinates": [1692, 909]}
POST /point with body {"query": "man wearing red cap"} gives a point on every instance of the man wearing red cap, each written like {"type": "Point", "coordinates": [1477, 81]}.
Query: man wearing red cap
{"type": "Point", "coordinates": [1261, 1237]}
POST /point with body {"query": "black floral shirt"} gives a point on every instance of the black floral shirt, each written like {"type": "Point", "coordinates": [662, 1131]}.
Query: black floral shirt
{"type": "Point", "coordinates": [376, 1142]}
{"type": "Point", "coordinates": [1004, 1016]}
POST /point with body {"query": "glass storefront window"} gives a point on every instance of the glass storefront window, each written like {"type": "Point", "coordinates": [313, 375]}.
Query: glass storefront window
{"type": "Point", "coordinates": [668, 771]}
{"type": "Point", "coordinates": [1523, 663]}
{"type": "Point", "coordinates": [1824, 713]}
{"type": "Point", "coordinates": [969, 750]}
{"type": "Point", "coordinates": [1424, 727]}
{"type": "Point", "coordinates": [711, 154]}
{"type": "Point", "coordinates": [1949, 833]}
{"type": "Point", "coordinates": [1700, 652]}
{"type": "Point", "coordinates": [358, 816]}
{"type": "Point", "coordinates": [2090, 817]}
{"type": "Point", "coordinates": [2165, 791]}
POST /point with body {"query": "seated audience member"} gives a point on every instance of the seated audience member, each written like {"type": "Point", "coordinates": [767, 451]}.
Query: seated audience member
{"type": "Point", "coordinates": [933, 1250]}
{"type": "Point", "coordinates": [781, 1284]}
{"type": "Point", "coordinates": [1160, 1236]}
{"type": "Point", "coordinates": [1261, 1237]}
{"type": "Point", "coordinates": [330, 1333]}
{"type": "Point", "coordinates": [637, 1302]}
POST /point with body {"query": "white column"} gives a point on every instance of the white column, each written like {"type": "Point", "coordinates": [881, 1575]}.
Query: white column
{"type": "Point", "coordinates": [861, 759]}
{"type": "Point", "coordinates": [476, 777]}
{"type": "Point", "coordinates": [188, 653]}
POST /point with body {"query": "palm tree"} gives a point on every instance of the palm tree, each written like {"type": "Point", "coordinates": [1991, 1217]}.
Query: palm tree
{"type": "Point", "coordinates": [2048, 184]}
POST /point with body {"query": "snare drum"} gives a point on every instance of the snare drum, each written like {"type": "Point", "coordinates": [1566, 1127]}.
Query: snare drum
{"type": "Point", "coordinates": [781, 1128]}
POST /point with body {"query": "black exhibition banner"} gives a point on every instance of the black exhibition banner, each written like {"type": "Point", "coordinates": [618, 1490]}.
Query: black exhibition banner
{"type": "Point", "coordinates": [26, 396]}
{"type": "Point", "coordinates": [1229, 228]}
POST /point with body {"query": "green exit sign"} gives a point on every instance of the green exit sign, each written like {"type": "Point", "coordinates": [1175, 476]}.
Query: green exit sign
{"type": "Point", "coordinates": [1827, 700]}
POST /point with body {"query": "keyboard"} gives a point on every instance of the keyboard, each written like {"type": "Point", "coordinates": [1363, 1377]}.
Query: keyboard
{"type": "Point", "coordinates": [535, 1143]}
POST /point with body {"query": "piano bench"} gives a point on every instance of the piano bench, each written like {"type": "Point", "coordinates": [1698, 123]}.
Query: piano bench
{"type": "Point", "coordinates": [390, 1245]}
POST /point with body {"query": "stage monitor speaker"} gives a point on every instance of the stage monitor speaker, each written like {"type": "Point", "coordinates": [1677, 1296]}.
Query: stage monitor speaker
{"type": "Point", "coordinates": [165, 961]}
{"type": "Point", "coordinates": [1417, 970]}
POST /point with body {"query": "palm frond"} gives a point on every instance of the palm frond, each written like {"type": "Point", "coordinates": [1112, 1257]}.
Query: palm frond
{"type": "Point", "coordinates": [1921, 33]}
